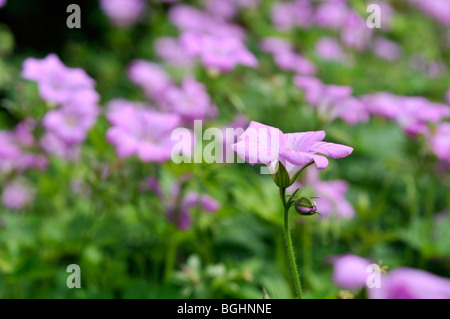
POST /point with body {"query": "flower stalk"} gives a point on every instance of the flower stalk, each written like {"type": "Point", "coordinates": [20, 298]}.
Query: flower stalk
{"type": "Point", "coordinates": [288, 239]}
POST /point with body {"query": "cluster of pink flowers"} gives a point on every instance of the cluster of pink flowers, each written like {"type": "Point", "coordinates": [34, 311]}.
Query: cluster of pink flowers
{"type": "Point", "coordinates": [18, 153]}
{"type": "Point", "coordinates": [216, 42]}
{"type": "Point", "coordinates": [138, 130]}
{"type": "Point", "coordinates": [332, 101]}
{"type": "Point", "coordinates": [72, 100]}
{"type": "Point", "coordinates": [350, 272]}
{"type": "Point", "coordinates": [72, 91]}
{"type": "Point", "coordinates": [337, 15]}
{"type": "Point", "coordinates": [123, 13]}
{"type": "Point", "coordinates": [190, 102]}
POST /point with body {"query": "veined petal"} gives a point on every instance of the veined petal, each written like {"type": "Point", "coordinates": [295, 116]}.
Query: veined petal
{"type": "Point", "coordinates": [331, 149]}
{"type": "Point", "coordinates": [303, 141]}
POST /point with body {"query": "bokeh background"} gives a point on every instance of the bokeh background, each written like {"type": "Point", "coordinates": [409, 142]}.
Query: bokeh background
{"type": "Point", "coordinates": [141, 226]}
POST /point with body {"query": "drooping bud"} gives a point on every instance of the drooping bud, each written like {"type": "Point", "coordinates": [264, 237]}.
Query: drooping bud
{"type": "Point", "coordinates": [305, 206]}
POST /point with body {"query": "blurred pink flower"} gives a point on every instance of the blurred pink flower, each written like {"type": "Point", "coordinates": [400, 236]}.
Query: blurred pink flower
{"type": "Point", "coordinates": [73, 120]}
{"type": "Point", "coordinates": [418, 112]}
{"type": "Point", "coordinates": [409, 283]}
{"type": "Point", "coordinates": [332, 101]}
{"type": "Point", "coordinates": [191, 101]}
{"type": "Point", "coordinates": [383, 104]}
{"type": "Point", "coordinates": [123, 13]}
{"type": "Point", "coordinates": [56, 82]}
{"type": "Point", "coordinates": [331, 14]}
{"type": "Point", "coordinates": [287, 15]}
{"type": "Point", "coordinates": [292, 61]}
{"type": "Point", "coordinates": [2, 3]}
{"type": "Point", "coordinates": [222, 9]}
{"type": "Point", "coordinates": [219, 53]}
{"type": "Point", "coordinates": [440, 141]}
{"type": "Point", "coordinates": [350, 271]}
{"type": "Point", "coordinates": [329, 49]}
{"type": "Point", "coordinates": [17, 194]}
{"type": "Point", "coordinates": [276, 45]}
{"type": "Point", "coordinates": [386, 49]}
{"type": "Point", "coordinates": [262, 144]}
{"type": "Point", "coordinates": [139, 131]}
{"type": "Point", "coordinates": [355, 33]}
{"type": "Point", "coordinates": [188, 18]}
{"type": "Point", "coordinates": [438, 9]}
{"type": "Point", "coordinates": [16, 149]}
{"type": "Point", "coordinates": [151, 78]}
{"type": "Point", "coordinates": [170, 50]}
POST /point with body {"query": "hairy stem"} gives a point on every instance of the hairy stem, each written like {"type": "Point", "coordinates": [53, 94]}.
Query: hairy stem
{"type": "Point", "coordinates": [290, 250]}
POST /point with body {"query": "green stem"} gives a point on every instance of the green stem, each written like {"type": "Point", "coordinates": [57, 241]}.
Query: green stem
{"type": "Point", "coordinates": [290, 250]}
{"type": "Point", "coordinates": [170, 257]}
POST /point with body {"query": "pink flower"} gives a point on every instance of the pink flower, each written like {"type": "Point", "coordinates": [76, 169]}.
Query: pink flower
{"type": "Point", "coordinates": [139, 131]}
{"type": "Point", "coordinates": [17, 194]}
{"type": "Point", "coordinates": [386, 49]}
{"type": "Point", "coordinates": [188, 18]}
{"type": "Point", "coordinates": [329, 49]}
{"type": "Point", "coordinates": [417, 113]}
{"type": "Point", "coordinates": [74, 119]}
{"type": "Point", "coordinates": [287, 15]}
{"type": "Point", "coordinates": [56, 82]}
{"type": "Point", "coordinates": [408, 283]}
{"type": "Point", "coordinates": [262, 144]}
{"type": "Point", "coordinates": [440, 142]}
{"type": "Point", "coordinates": [222, 9]}
{"type": "Point", "coordinates": [331, 14]}
{"type": "Point", "coordinates": [123, 13]}
{"type": "Point", "coordinates": [438, 9]}
{"type": "Point", "coordinates": [292, 61]}
{"type": "Point", "coordinates": [219, 53]}
{"type": "Point", "coordinates": [170, 50]}
{"type": "Point", "coordinates": [276, 45]}
{"type": "Point", "coordinates": [191, 101]}
{"type": "Point", "coordinates": [350, 271]}
{"type": "Point", "coordinates": [355, 33]}
{"type": "Point", "coordinates": [2, 3]}
{"type": "Point", "coordinates": [16, 149]}
{"type": "Point", "coordinates": [332, 101]}
{"type": "Point", "coordinates": [351, 111]}
{"type": "Point", "coordinates": [383, 104]}
{"type": "Point", "coordinates": [151, 77]}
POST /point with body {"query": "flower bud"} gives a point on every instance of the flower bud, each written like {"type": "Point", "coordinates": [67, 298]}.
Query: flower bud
{"type": "Point", "coordinates": [281, 177]}
{"type": "Point", "coordinates": [305, 206]}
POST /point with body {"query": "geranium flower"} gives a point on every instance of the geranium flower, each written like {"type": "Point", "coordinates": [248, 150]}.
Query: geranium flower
{"type": "Point", "coordinates": [408, 283]}
{"type": "Point", "coordinates": [56, 82]}
{"type": "Point", "coordinates": [123, 13]}
{"type": "Point", "coordinates": [262, 144]}
{"type": "Point", "coordinates": [350, 271]}
{"type": "Point", "coordinates": [142, 132]}
{"type": "Point", "coordinates": [17, 194]}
